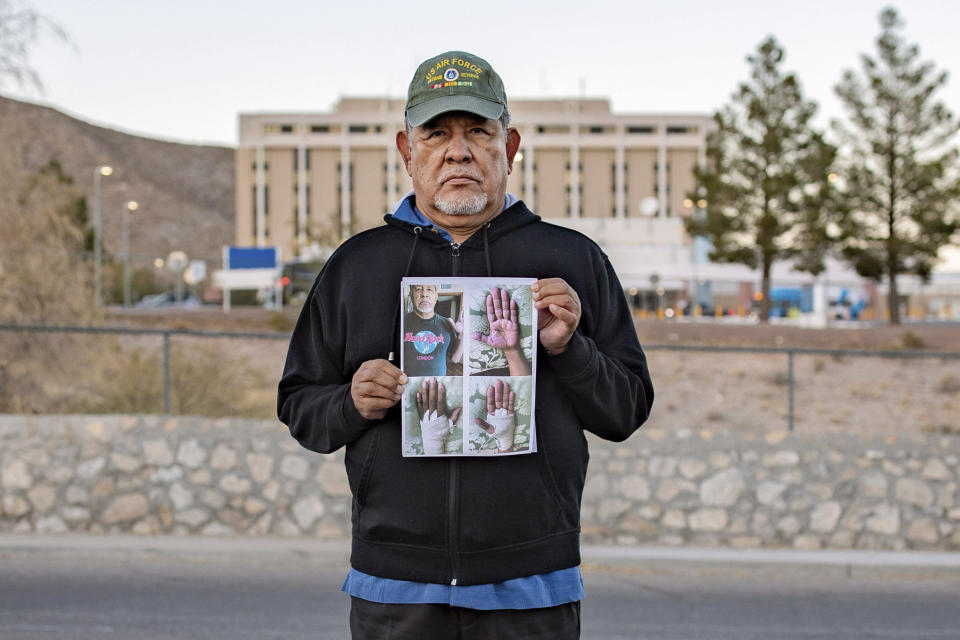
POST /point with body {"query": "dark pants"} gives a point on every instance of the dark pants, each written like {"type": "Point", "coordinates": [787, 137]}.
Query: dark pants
{"type": "Point", "coordinates": [374, 621]}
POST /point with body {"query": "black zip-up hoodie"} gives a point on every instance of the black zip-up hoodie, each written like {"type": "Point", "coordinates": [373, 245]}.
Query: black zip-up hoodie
{"type": "Point", "coordinates": [463, 520]}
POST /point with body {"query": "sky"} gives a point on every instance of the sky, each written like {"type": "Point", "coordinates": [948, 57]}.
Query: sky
{"type": "Point", "coordinates": [183, 70]}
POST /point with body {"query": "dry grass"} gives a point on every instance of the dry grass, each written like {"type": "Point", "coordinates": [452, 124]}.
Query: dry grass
{"type": "Point", "coordinates": [749, 391]}
{"type": "Point", "coordinates": [693, 389]}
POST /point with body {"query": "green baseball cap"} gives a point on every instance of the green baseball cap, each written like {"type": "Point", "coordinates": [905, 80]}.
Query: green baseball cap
{"type": "Point", "coordinates": [454, 81]}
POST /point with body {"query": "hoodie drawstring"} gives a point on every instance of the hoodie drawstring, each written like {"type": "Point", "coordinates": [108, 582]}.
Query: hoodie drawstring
{"type": "Point", "coordinates": [486, 250]}
{"type": "Point", "coordinates": [396, 319]}
{"type": "Point", "coordinates": [416, 236]}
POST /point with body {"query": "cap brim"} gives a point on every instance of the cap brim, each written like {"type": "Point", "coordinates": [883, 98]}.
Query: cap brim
{"type": "Point", "coordinates": [426, 111]}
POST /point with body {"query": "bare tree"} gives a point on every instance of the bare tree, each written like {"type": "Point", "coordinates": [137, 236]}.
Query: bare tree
{"type": "Point", "coordinates": [20, 29]}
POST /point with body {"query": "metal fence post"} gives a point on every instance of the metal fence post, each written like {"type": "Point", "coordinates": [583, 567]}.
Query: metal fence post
{"type": "Point", "coordinates": [167, 334]}
{"type": "Point", "coordinates": [790, 389]}
{"type": "Point", "coordinates": [166, 372]}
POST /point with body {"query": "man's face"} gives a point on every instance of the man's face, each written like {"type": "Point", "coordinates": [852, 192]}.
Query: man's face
{"type": "Point", "coordinates": [424, 299]}
{"type": "Point", "coordinates": [459, 163]}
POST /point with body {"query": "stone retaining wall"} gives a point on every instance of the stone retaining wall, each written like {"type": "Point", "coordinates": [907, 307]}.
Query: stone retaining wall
{"type": "Point", "coordinates": [185, 475]}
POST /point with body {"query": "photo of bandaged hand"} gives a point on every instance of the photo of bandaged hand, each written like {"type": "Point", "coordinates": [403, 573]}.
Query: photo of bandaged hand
{"type": "Point", "coordinates": [501, 421]}
{"type": "Point", "coordinates": [436, 419]}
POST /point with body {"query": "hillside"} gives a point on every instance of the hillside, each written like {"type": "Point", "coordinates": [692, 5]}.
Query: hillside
{"type": "Point", "coordinates": [185, 192]}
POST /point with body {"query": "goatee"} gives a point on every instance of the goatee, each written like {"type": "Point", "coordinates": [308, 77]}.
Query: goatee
{"type": "Point", "coordinates": [462, 206]}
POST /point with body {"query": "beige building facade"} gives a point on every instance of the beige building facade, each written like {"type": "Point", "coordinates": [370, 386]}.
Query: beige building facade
{"type": "Point", "coordinates": [306, 181]}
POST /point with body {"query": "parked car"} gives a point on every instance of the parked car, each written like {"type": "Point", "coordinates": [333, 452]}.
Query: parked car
{"type": "Point", "coordinates": [296, 280]}
{"type": "Point", "coordinates": [169, 299]}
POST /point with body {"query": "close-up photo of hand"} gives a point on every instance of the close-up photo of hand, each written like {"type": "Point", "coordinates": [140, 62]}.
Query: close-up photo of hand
{"type": "Point", "coordinates": [504, 330]}
{"type": "Point", "coordinates": [436, 419]}
{"type": "Point", "coordinates": [501, 421]}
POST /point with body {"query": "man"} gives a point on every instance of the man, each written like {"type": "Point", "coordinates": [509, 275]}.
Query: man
{"type": "Point", "coordinates": [463, 547]}
{"type": "Point", "coordinates": [427, 336]}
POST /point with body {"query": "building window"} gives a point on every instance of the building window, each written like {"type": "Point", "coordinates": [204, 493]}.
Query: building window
{"type": "Point", "coordinates": [678, 129]}
{"type": "Point", "coordinates": [595, 129]}
{"type": "Point", "coordinates": [358, 128]}
{"type": "Point", "coordinates": [319, 128]}
{"type": "Point", "coordinates": [277, 128]}
{"type": "Point", "coordinates": [639, 129]}
{"type": "Point", "coordinates": [553, 128]}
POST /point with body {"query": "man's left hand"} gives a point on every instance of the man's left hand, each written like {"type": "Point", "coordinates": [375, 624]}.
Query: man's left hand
{"type": "Point", "coordinates": [558, 313]}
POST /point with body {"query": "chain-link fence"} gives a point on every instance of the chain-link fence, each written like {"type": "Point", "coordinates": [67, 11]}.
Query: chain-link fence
{"type": "Point", "coordinates": [45, 369]}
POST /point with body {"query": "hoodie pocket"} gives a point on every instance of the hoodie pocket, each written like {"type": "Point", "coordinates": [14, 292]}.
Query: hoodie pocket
{"type": "Point", "coordinates": [401, 500]}
{"type": "Point", "coordinates": [508, 501]}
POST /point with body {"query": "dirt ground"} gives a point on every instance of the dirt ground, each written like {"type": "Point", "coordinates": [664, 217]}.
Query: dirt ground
{"type": "Point", "coordinates": [928, 337]}
{"type": "Point", "coordinates": [931, 337]}
{"type": "Point", "coordinates": [832, 393]}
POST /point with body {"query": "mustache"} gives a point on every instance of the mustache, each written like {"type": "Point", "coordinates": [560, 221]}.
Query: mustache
{"type": "Point", "coordinates": [460, 173]}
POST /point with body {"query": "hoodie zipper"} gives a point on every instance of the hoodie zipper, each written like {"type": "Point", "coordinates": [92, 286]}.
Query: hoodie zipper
{"type": "Point", "coordinates": [453, 534]}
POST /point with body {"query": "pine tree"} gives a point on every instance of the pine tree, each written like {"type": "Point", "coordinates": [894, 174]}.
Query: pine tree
{"type": "Point", "coordinates": [901, 174]}
{"type": "Point", "coordinates": [766, 178]}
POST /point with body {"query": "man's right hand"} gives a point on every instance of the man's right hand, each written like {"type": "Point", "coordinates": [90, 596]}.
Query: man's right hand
{"type": "Point", "coordinates": [376, 386]}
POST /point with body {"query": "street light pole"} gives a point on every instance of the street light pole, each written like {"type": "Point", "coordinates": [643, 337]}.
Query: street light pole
{"type": "Point", "coordinates": [101, 170]}
{"type": "Point", "coordinates": [129, 207]}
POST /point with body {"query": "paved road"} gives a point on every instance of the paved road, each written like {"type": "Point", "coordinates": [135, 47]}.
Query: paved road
{"type": "Point", "coordinates": [80, 588]}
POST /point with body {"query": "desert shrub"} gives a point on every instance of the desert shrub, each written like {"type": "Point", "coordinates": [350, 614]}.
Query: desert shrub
{"type": "Point", "coordinates": [205, 380]}
{"type": "Point", "coordinates": [128, 382]}
{"type": "Point", "coordinates": [780, 378]}
{"type": "Point", "coordinates": [949, 384]}
{"type": "Point", "coordinates": [911, 340]}
{"type": "Point", "coordinates": [943, 429]}
{"type": "Point", "coordinates": [48, 372]}
{"type": "Point", "coordinates": [46, 277]}
{"type": "Point", "coordinates": [244, 298]}
{"type": "Point", "coordinates": [283, 320]}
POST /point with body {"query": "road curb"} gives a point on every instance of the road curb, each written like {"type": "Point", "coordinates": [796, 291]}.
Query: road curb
{"type": "Point", "coordinates": [593, 555]}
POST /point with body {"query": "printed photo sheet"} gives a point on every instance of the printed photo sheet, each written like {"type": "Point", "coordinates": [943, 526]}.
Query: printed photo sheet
{"type": "Point", "coordinates": [468, 347]}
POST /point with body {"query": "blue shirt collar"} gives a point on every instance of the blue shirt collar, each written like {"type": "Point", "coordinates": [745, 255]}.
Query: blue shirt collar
{"type": "Point", "coordinates": [405, 210]}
